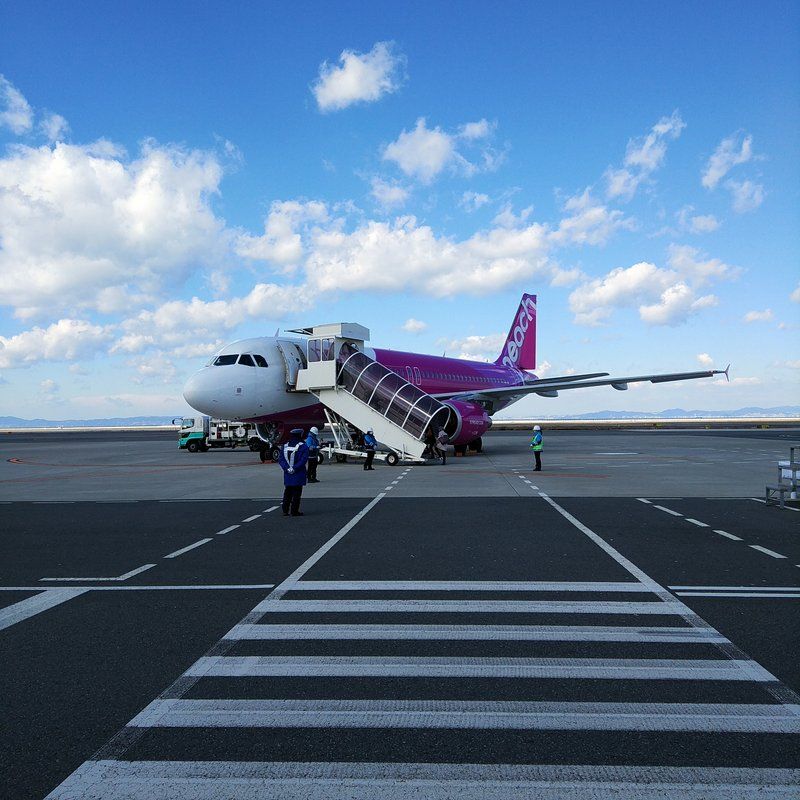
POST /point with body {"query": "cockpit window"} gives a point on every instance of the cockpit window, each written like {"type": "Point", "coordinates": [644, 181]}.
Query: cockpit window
{"type": "Point", "coordinates": [246, 359]}
{"type": "Point", "coordinates": [222, 361]}
{"type": "Point", "coordinates": [260, 361]}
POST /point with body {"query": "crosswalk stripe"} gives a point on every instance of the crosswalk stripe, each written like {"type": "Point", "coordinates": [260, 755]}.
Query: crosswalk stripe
{"type": "Point", "coordinates": [473, 606]}
{"type": "Point", "coordinates": [11, 615]}
{"type": "Point", "coordinates": [530, 633]}
{"type": "Point", "coordinates": [468, 586]}
{"type": "Point", "coordinates": [467, 667]}
{"type": "Point", "coordinates": [256, 780]}
{"type": "Point", "coordinates": [471, 714]}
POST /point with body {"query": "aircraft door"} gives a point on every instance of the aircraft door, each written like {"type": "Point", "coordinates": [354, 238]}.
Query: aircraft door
{"type": "Point", "coordinates": [294, 359]}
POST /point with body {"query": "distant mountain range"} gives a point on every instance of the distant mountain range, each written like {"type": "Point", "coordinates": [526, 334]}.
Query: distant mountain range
{"type": "Point", "coordinates": [669, 413]}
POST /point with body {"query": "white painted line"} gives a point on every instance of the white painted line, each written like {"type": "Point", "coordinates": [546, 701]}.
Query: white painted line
{"type": "Point", "coordinates": [467, 586]}
{"type": "Point", "coordinates": [728, 535]}
{"type": "Point", "coordinates": [470, 667]}
{"type": "Point", "coordinates": [226, 530]}
{"type": "Point", "coordinates": [187, 549]}
{"type": "Point", "coordinates": [697, 522]}
{"type": "Point", "coordinates": [251, 519]}
{"type": "Point", "coordinates": [122, 577]}
{"type": "Point", "coordinates": [643, 500]}
{"type": "Point", "coordinates": [738, 594]}
{"type": "Point", "coordinates": [668, 510]}
{"type": "Point", "coordinates": [394, 483]}
{"type": "Point", "coordinates": [475, 607]}
{"type": "Point", "coordinates": [254, 780]}
{"type": "Point", "coordinates": [517, 633]}
{"type": "Point", "coordinates": [274, 597]}
{"type": "Point", "coordinates": [24, 609]}
{"type": "Point", "coordinates": [765, 550]}
{"type": "Point", "coordinates": [616, 454]}
{"type": "Point", "coordinates": [271, 508]}
{"type": "Point", "coordinates": [758, 500]}
{"type": "Point", "coordinates": [148, 588]}
{"type": "Point", "coordinates": [471, 714]}
{"type": "Point", "coordinates": [739, 588]}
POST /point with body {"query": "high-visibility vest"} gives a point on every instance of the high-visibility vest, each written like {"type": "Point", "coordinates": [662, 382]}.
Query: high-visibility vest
{"type": "Point", "coordinates": [536, 443]}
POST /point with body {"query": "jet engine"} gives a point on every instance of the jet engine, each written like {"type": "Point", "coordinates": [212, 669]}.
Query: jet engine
{"type": "Point", "coordinates": [467, 422]}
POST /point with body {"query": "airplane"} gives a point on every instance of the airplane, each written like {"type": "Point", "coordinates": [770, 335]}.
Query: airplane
{"type": "Point", "coordinates": [255, 380]}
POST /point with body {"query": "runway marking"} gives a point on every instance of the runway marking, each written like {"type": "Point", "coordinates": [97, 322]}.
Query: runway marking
{"type": "Point", "coordinates": [520, 633]}
{"type": "Point", "coordinates": [122, 577]}
{"type": "Point", "coordinates": [697, 522]}
{"type": "Point", "coordinates": [765, 550]}
{"type": "Point", "coordinates": [739, 588]}
{"type": "Point", "coordinates": [474, 607]}
{"type": "Point", "coordinates": [471, 715]}
{"type": "Point", "coordinates": [227, 530]}
{"type": "Point", "coordinates": [669, 511]}
{"type": "Point", "coordinates": [253, 518]}
{"type": "Point", "coordinates": [470, 667]}
{"type": "Point", "coordinates": [154, 587]}
{"type": "Point", "coordinates": [785, 508]}
{"type": "Point", "coordinates": [739, 594]}
{"type": "Point", "coordinates": [270, 509]}
{"type": "Point", "coordinates": [187, 548]}
{"type": "Point", "coordinates": [643, 500]}
{"type": "Point", "coordinates": [467, 586]}
{"type": "Point", "coordinates": [24, 609]}
{"type": "Point", "coordinates": [388, 488]}
{"type": "Point", "coordinates": [252, 780]}
{"type": "Point", "coordinates": [729, 535]}
{"type": "Point", "coordinates": [616, 454]}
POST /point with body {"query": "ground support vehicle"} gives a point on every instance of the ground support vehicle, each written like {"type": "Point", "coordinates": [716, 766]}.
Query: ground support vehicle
{"type": "Point", "coordinates": [201, 434]}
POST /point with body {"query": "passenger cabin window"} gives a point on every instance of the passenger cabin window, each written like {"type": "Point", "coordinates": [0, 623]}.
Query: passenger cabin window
{"type": "Point", "coordinates": [260, 361]}
{"type": "Point", "coordinates": [223, 361]}
{"type": "Point", "coordinates": [246, 359]}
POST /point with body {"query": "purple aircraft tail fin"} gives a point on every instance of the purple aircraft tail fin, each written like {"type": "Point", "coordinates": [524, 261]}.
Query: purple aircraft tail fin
{"type": "Point", "coordinates": [519, 351]}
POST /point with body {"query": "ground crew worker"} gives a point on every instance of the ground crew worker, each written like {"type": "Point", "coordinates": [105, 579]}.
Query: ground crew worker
{"type": "Point", "coordinates": [536, 446]}
{"type": "Point", "coordinates": [442, 443]}
{"type": "Point", "coordinates": [370, 443]}
{"type": "Point", "coordinates": [312, 443]}
{"type": "Point", "coordinates": [293, 458]}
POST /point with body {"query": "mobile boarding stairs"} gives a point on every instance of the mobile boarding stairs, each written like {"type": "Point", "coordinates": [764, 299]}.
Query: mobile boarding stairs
{"type": "Point", "coordinates": [356, 389]}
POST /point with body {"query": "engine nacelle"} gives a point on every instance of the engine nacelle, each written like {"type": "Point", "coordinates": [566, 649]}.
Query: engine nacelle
{"type": "Point", "coordinates": [467, 422]}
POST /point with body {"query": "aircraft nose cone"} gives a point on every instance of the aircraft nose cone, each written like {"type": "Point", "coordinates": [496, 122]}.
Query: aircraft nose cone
{"type": "Point", "coordinates": [198, 394]}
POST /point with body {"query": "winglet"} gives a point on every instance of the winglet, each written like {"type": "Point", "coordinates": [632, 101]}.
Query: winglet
{"type": "Point", "coordinates": [723, 372]}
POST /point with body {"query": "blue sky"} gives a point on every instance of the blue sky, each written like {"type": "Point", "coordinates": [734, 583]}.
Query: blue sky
{"type": "Point", "coordinates": [175, 176]}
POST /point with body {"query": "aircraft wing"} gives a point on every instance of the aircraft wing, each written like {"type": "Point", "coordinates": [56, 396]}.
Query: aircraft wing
{"type": "Point", "coordinates": [550, 387]}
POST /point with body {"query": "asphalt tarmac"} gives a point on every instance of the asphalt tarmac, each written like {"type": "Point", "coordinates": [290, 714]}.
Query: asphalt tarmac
{"type": "Point", "coordinates": [623, 624]}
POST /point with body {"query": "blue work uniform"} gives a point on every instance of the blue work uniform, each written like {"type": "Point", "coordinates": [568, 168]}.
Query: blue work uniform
{"type": "Point", "coordinates": [370, 443]}
{"type": "Point", "coordinates": [312, 443]}
{"type": "Point", "coordinates": [537, 446]}
{"type": "Point", "coordinates": [293, 458]}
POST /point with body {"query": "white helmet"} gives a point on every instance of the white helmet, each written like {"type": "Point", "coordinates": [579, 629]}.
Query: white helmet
{"type": "Point", "coordinates": [537, 427]}
{"type": "Point", "coordinates": [314, 430]}
{"type": "Point", "coordinates": [369, 430]}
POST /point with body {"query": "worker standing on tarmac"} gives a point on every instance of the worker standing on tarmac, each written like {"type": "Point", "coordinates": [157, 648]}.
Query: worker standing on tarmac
{"type": "Point", "coordinates": [293, 458]}
{"type": "Point", "coordinates": [312, 443]}
{"type": "Point", "coordinates": [370, 443]}
{"type": "Point", "coordinates": [536, 446]}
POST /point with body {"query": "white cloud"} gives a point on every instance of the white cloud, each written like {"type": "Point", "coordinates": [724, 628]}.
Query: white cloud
{"type": "Point", "coordinates": [422, 153]}
{"type": "Point", "coordinates": [643, 156]}
{"type": "Point", "coordinates": [156, 367]}
{"type": "Point", "coordinates": [472, 201]}
{"type": "Point", "coordinates": [15, 111]}
{"type": "Point", "coordinates": [54, 127]}
{"type": "Point", "coordinates": [506, 218]}
{"type": "Point", "coordinates": [759, 316]}
{"type": "Point", "coordinates": [476, 130]}
{"type": "Point", "coordinates": [389, 194]}
{"type": "Point", "coordinates": [705, 360]}
{"type": "Point", "coordinates": [282, 242]}
{"type": "Point", "coordinates": [475, 348]}
{"type": "Point", "coordinates": [83, 227]}
{"type": "Point", "coordinates": [733, 382]}
{"type": "Point", "coordinates": [792, 364]}
{"type": "Point", "coordinates": [49, 387]}
{"type": "Point", "coordinates": [687, 261]}
{"type": "Point", "coordinates": [745, 195]}
{"type": "Point", "coordinates": [360, 77]}
{"type": "Point", "coordinates": [676, 305]}
{"type": "Point", "coordinates": [414, 325]}
{"type": "Point", "coordinates": [795, 295]}
{"type": "Point", "coordinates": [706, 223]}
{"type": "Point", "coordinates": [65, 340]}
{"type": "Point", "coordinates": [589, 222]}
{"type": "Point", "coordinates": [733, 150]}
